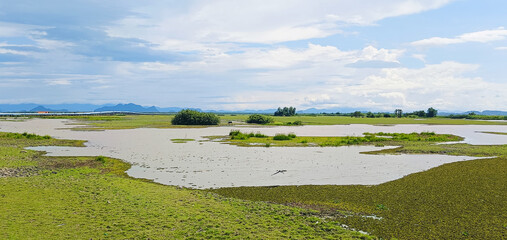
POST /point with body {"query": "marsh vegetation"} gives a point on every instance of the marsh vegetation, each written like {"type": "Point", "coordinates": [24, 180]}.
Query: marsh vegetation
{"type": "Point", "coordinates": [454, 201]}
{"type": "Point", "coordinates": [92, 197]}
{"type": "Point", "coordinates": [236, 137]}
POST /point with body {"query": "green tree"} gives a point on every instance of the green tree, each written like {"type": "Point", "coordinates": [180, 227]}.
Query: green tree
{"type": "Point", "coordinates": [431, 112]}
{"type": "Point", "coordinates": [260, 119]}
{"type": "Point", "coordinates": [357, 114]}
{"type": "Point", "coordinates": [398, 113]}
{"type": "Point", "coordinates": [192, 117]}
{"type": "Point", "coordinates": [286, 111]}
{"type": "Point", "coordinates": [419, 113]}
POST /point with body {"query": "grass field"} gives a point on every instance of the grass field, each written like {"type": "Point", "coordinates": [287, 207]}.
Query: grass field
{"type": "Point", "coordinates": [462, 200]}
{"type": "Point", "coordinates": [92, 198]}
{"type": "Point", "coordinates": [164, 121]}
{"type": "Point", "coordinates": [341, 120]}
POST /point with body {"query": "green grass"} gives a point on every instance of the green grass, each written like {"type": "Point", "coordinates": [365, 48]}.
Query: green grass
{"type": "Point", "coordinates": [291, 140]}
{"type": "Point", "coordinates": [462, 200]}
{"type": "Point", "coordinates": [499, 133]}
{"type": "Point", "coordinates": [92, 198]}
{"type": "Point", "coordinates": [164, 121]}
{"type": "Point", "coordinates": [341, 120]}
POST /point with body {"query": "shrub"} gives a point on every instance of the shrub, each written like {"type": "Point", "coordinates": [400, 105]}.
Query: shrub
{"type": "Point", "coordinates": [101, 159]}
{"type": "Point", "coordinates": [295, 123]}
{"type": "Point", "coordinates": [27, 136]}
{"type": "Point", "coordinates": [281, 137]}
{"type": "Point", "coordinates": [260, 135]}
{"type": "Point", "coordinates": [236, 134]}
{"type": "Point", "coordinates": [191, 117]}
{"type": "Point", "coordinates": [260, 119]}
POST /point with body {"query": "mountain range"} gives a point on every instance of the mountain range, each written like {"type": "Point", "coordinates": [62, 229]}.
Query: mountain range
{"type": "Point", "coordinates": [131, 107]}
{"type": "Point", "coordinates": [127, 108]}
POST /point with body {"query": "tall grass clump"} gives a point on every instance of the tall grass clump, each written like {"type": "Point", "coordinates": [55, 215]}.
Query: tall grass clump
{"type": "Point", "coordinates": [26, 135]}
{"type": "Point", "coordinates": [282, 137]}
{"type": "Point", "coordinates": [238, 135]}
{"type": "Point", "coordinates": [295, 123]}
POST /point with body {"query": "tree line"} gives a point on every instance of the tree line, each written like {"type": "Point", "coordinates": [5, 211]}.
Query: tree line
{"type": "Point", "coordinates": [431, 112]}
{"type": "Point", "coordinates": [286, 111]}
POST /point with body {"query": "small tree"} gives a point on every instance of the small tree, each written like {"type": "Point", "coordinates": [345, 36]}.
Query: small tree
{"type": "Point", "coordinates": [398, 113]}
{"type": "Point", "coordinates": [192, 117]}
{"type": "Point", "coordinates": [260, 119]}
{"type": "Point", "coordinates": [357, 114]}
{"type": "Point", "coordinates": [419, 113]}
{"type": "Point", "coordinates": [431, 112]}
{"type": "Point", "coordinates": [286, 111]}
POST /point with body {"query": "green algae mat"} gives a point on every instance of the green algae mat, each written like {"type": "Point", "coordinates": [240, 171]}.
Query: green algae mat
{"type": "Point", "coordinates": [91, 198]}
{"type": "Point", "coordinates": [462, 200]}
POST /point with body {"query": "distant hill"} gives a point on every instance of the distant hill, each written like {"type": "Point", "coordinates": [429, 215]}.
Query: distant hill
{"type": "Point", "coordinates": [334, 110]}
{"type": "Point", "coordinates": [27, 107]}
{"type": "Point", "coordinates": [127, 108]}
{"type": "Point", "coordinates": [24, 107]}
{"type": "Point", "coordinates": [489, 113]}
{"type": "Point", "coordinates": [176, 109]}
{"type": "Point", "coordinates": [44, 109]}
{"type": "Point", "coordinates": [265, 111]}
{"type": "Point", "coordinates": [131, 107]}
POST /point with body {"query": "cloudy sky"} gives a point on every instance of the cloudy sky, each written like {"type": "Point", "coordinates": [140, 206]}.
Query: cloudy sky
{"type": "Point", "coordinates": [256, 54]}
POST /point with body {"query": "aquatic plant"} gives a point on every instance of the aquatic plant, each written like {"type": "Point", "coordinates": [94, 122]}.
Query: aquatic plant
{"type": "Point", "coordinates": [282, 137]}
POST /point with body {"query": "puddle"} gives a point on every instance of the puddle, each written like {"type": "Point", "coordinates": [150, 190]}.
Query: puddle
{"type": "Point", "coordinates": [211, 164]}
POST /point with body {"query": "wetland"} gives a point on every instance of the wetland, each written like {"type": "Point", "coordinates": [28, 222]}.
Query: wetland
{"type": "Point", "coordinates": [447, 188]}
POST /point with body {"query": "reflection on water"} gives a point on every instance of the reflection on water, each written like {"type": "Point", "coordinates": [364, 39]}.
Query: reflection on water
{"type": "Point", "coordinates": [211, 164]}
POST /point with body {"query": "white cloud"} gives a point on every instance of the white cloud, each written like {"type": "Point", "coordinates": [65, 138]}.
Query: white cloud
{"type": "Point", "coordinates": [311, 57]}
{"type": "Point", "coordinates": [256, 21]}
{"type": "Point", "coordinates": [421, 57]}
{"type": "Point", "coordinates": [59, 82]}
{"type": "Point", "coordinates": [443, 86]}
{"type": "Point", "coordinates": [157, 66]}
{"type": "Point", "coordinates": [481, 37]}
{"type": "Point", "coordinates": [501, 48]}
{"type": "Point", "coordinates": [10, 51]}
{"type": "Point", "coordinates": [20, 30]}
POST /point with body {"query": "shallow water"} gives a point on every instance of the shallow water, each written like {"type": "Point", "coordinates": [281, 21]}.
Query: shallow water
{"type": "Point", "coordinates": [210, 164]}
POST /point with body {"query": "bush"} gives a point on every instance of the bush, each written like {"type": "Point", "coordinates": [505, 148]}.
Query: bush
{"type": "Point", "coordinates": [260, 135]}
{"type": "Point", "coordinates": [27, 136]}
{"type": "Point", "coordinates": [101, 159]}
{"type": "Point", "coordinates": [236, 134]}
{"type": "Point", "coordinates": [281, 137]}
{"type": "Point", "coordinates": [260, 119]}
{"type": "Point", "coordinates": [295, 123]}
{"type": "Point", "coordinates": [191, 117]}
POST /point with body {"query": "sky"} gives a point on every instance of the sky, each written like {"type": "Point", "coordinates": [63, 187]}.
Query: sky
{"type": "Point", "coordinates": [253, 54]}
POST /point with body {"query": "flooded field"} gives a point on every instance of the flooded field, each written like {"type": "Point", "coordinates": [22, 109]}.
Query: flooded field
{"type": "Point", "coordinates": [199, 164]}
